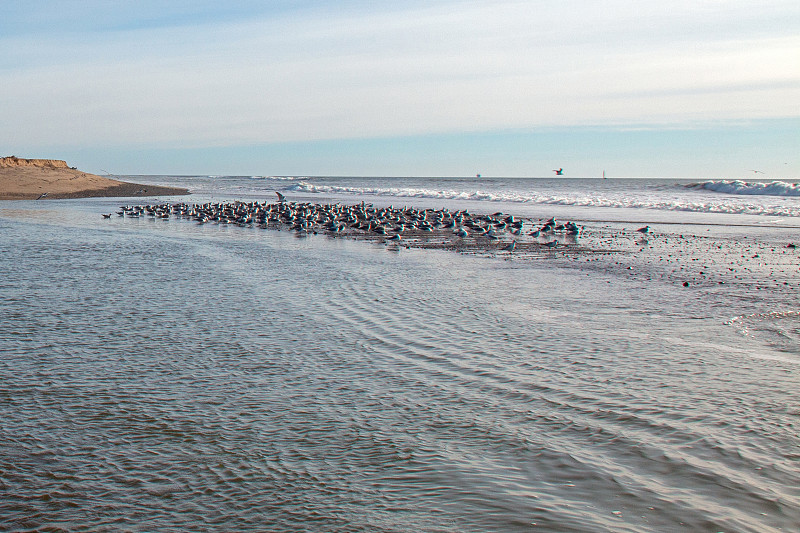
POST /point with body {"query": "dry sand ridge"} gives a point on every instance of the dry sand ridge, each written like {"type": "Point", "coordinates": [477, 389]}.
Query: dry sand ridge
{"type": "Point", "coordinates": [31, 179]}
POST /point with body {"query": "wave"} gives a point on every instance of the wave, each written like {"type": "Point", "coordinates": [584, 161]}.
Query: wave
{"type": "Point", "coordinates": [774, 188]}
{"type": "Point", "coordinates": [563, 200]}
{"type": "Point", "coordinates": [407, 192]}
{"type": "Point", "coordinates": [279, 178]}
{"type": "Point", "coordinates": [779, 329]}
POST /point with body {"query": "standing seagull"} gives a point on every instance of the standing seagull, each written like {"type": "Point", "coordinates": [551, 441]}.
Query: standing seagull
{"type": "Point", "coordinates": [645, 230]}
{"type": "Point", "coordinates": [510, 247]}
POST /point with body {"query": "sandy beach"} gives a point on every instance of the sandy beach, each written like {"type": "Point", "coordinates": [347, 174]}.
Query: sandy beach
{"type": "Point", "coordinates": [31, 179]}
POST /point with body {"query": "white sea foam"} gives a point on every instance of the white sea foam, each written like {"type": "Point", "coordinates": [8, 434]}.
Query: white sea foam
{"type": "Point", "coordinates": [620, 200]}
{"type": "Point", "coordinates": [774, 188]}
{"type": "Point", "coordinates": [279, 178]}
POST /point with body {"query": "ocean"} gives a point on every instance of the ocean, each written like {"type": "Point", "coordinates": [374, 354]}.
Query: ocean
{"type": "Point", "coordinates": [165, 375]}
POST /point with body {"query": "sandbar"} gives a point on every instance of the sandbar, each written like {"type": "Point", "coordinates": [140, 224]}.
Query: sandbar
{"type": "Point", "coordinates": [32, 179]}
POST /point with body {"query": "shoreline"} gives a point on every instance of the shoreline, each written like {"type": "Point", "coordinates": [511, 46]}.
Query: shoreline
{"type": "Point", "coordinates": [688, 258]}
{"type": "Point", "coordinates": [33, 179]}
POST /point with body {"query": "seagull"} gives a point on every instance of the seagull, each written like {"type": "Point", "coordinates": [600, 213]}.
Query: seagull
{"type": "Point", "coordinates": [559, 172]}
{"type": "Point", "coordinates": [756, 171]}
{"type": "Point", "coordinates": [644, 230]}
{"type": "Point", "coordinates": [107, 216]}
{"type": "Point", "coordinates": [42, 195]}
{"type": "Point", "coordinates": [510, 247]}
{"type": "Point", "coordinates": [551, 244]}
{"type": "Point", "coordinates": [281, 198]}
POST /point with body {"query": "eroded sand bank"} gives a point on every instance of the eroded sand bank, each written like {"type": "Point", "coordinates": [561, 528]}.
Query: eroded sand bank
{"type": "Point", "coordinates": [31, 179]}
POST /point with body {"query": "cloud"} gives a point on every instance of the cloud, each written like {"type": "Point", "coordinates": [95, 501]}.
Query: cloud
{"type": "Point", "coordinates": [411, 69]}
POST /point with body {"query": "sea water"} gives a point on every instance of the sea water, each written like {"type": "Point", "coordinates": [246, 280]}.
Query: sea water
{"type": "Point", "coordinates": [159, 375]}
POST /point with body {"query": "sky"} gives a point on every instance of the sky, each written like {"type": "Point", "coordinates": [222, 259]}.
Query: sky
{"type": "Point", "coordinates": [686, 88]}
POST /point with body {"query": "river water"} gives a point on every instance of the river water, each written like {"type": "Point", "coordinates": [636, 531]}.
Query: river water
{"type": "Point", "coordinates": [159, 375]}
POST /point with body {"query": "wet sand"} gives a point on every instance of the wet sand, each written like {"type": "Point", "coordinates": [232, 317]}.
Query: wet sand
{"type": "Point", "coordinates": [690, 256]}
{"type": "Point", "coordinates": [32, 179]}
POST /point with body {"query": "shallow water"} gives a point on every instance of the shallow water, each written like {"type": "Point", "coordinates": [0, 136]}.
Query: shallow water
{"type": "Point", "coordinates": [160, 375]}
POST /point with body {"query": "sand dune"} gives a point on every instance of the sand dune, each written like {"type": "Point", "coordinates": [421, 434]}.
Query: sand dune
{"type": "Point", "coordinates": [29, 179]}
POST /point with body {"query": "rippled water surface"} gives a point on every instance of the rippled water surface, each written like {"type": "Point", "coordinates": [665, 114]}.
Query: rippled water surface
{"type": "Point", "coordinates": [165, 376]}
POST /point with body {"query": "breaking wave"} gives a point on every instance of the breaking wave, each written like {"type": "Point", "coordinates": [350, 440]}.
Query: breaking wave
{"type": "Point", "coordinates": [277, 178]}
{"type": "Point", "coordinates": [579, 200]}
{"type": "Point", "coordinates": [774, 188]}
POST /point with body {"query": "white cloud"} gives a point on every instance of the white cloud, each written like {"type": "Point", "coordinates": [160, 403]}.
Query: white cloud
{"type": "Point", "coordinates": [473, 66]}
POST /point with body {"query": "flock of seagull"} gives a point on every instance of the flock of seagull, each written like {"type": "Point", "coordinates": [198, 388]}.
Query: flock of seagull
{"type": "Point", "coordinates": [390, 224]}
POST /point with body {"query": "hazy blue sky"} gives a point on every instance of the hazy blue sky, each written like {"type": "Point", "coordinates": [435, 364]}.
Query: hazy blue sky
{"type": "Point", "coordinates": [694, 88]}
